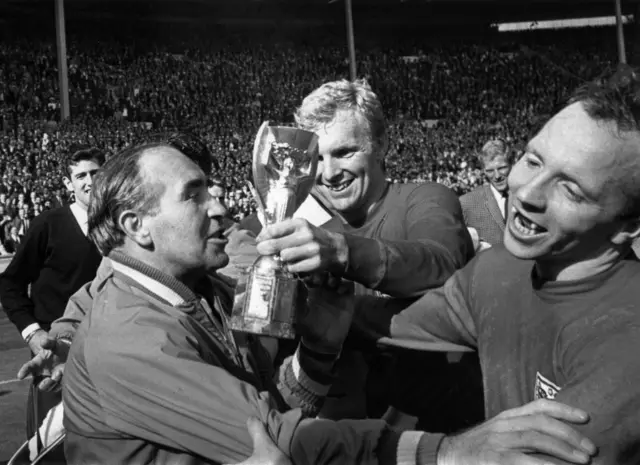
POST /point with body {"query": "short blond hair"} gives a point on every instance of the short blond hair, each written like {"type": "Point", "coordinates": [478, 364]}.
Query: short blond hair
{"type": "Point", "coordinates": [493, 149]}
{"type": "Point", "coordinates": [322, 104]}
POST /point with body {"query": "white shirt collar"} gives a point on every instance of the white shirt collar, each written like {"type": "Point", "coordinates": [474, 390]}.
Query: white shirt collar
{"type": "Point", "coordinates": [81, 217]}
{"type": "Point", "coordinates": [500, 198]}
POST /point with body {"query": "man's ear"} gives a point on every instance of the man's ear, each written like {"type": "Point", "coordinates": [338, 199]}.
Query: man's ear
{"type": "Point", "coordinates": [133, 225]}
{"type": "Point", "coordinates": [628, 232]}
{"type": "Point", "coordinates": [383, 149]}
{"type": "Point", "coordinates": [67, 183]}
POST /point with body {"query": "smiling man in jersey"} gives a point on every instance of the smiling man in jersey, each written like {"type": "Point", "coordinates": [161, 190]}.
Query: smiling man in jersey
{"type": "Point", "coordinates": [554, 313]}
{"type": "Point", "coordinates": [392, 239]}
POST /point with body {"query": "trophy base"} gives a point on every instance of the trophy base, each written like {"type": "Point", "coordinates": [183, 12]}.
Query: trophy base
{"type": "Point", "coordinates": [265, 302]}
{"type": "Point", "coordinates": [277, 329]}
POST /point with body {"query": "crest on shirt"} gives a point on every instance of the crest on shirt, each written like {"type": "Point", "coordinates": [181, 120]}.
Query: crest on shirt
{"type": "Point", "coordinates": [545, 389]}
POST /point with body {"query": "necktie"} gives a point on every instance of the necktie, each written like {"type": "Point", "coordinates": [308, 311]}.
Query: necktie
{"type": "Point", "coordinates": [505, 211]}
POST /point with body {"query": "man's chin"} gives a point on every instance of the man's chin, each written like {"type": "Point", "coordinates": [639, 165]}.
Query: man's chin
{"type": "Point", "coordinates": [82, 200]}
{"type": "Point", "coordinates": [219, 261]}
{"type": "Point", "coordinates": [522, 251]}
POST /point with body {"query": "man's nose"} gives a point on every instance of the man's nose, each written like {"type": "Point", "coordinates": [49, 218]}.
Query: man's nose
{"type": "Point", "coordinates": [330, 168]}
{"type": "Point", "coordinates": [531, 195]}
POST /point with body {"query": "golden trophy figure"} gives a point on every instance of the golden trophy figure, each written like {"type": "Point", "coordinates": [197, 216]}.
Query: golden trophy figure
{"type": "Point", "coordinates": [285, 161]}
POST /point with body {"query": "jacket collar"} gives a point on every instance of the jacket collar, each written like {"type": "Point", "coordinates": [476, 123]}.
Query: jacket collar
{"type": "Point", "coordinates": [164, 286]}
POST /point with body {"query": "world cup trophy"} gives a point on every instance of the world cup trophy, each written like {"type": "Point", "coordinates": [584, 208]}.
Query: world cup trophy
{"type": "Point", "coordinates": [285, 161]}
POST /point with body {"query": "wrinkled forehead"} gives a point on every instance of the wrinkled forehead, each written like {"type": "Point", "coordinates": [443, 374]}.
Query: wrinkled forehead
{"type": "Point", "coordinates": [169, 167]}
{"type": "Point", "coordinates": [497, 162]}
{"type": "Point", "coordinates": [592, 152]}
{"type": "Point", "coordinates": [84, 166]}
{"type": "Point", "coordinates": [348, 127]}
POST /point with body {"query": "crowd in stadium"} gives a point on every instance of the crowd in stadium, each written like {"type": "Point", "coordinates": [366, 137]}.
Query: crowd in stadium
{"type": "Point", "coordinates": [460, 283]}
{"type": "Point", "coordinates": [443, 101]}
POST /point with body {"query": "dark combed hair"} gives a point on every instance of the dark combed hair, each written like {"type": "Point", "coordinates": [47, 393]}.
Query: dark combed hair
{"type": "Point", "coordinates": [78, 153]}
{"type": "Point", "coordinates": [615, 98]}
{"type": "Point", "coordinates": [117, 187]}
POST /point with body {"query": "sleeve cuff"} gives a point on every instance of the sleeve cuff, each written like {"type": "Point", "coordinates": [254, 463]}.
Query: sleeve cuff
{"type": "Point", "coordinates": [427, 453]}
{"type": "Point", "coordinates": [29, 330]}
{"type": "Point", "coordinates": [318, 388]}
{"type": "Point", "coordinates": [408, 448]}
{"type": "Point", "coordinates": [475, 237]}
{"type": "Point", "coordinates": [301, 389]}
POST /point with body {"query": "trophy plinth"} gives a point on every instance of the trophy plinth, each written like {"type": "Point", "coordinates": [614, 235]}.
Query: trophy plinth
{"type": "Point", "coordinates": [268, 303]}
{"type": "Point", "coordinates": [284, 167]}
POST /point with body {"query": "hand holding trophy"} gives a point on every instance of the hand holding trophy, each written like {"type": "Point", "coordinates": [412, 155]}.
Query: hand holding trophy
{"type": "Point", "coordinates": [285, 161]}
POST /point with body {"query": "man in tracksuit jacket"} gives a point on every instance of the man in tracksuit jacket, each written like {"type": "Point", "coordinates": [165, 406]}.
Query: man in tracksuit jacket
{"type": "Point", "coordinates": [155, 376]}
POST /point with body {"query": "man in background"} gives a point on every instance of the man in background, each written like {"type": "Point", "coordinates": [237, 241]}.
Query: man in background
{"type": "Point", "coordinates": [485, 207]}
{"type": "Point", "coordinates": [53, 260]}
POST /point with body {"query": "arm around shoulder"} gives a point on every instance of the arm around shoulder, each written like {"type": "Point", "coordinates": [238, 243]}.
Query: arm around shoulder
{"type": "Point", "coordinates": [202, 409]}
{"type": "Point", "coordinates": [437, 243]}
{"type": "Point", "coordinates": [80, 303]}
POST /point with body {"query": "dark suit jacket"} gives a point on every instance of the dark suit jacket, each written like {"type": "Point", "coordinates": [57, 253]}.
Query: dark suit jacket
{"type": "Point", "coordinates": [11, 245]}
{"type": "Point", "coordinates": [482, 212]}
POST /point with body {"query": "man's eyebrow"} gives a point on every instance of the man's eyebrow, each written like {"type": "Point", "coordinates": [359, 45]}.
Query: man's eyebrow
{"type": "Point", "coordinates": [344, 149]}
{"type": "Point", "coordinates": [194, 184]}
{"type": "Point", "coordinates": [586, 191]}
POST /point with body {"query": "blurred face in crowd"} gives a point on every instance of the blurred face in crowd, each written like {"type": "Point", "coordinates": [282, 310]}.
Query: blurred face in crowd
{"type": "Point", "coordinates": [81, 179]}
{"type": "Point", "coordinates": [566, 202]}
{"type": "Point", "coordinates": [497, 171]}
{"type": "Point", "coordinates": [350, 176]}
{"type": "Point", "coordinates": [217, 192]}
{"type": "Point", "coordinates": [186, 230]}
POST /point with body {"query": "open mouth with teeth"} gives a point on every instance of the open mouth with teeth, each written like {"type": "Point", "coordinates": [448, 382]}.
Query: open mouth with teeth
{"type": "Point", "coordinates": [339, 187]}
{"type": "Point", "coordinates": [217, 235]}
{"type": "Point", "coordinates": [526, 227]}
